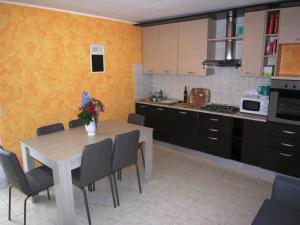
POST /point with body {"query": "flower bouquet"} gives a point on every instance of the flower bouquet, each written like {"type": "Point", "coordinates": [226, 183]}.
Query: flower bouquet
{"type": "Point", "coordinates": [90, 111]}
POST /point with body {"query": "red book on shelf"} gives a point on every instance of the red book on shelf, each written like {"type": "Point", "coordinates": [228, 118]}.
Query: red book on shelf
{"type": "Point", "coordinates": [271, 48]}
{"type": "Point", "coordinates": [276, 24]}
{"type": "Point", "coordinates": [275, 47]}
{"type": "Point", "coordinates": [270, 26]}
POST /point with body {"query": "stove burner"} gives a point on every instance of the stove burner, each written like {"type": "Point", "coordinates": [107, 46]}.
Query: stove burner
{"type": "Point", "coordinates": [221, 108]}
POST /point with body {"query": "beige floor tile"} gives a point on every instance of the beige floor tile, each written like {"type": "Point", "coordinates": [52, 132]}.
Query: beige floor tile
{"type": "Point", "coordinates": [190, 218]}
{"type": "Point", "coordinates": [158, 211]}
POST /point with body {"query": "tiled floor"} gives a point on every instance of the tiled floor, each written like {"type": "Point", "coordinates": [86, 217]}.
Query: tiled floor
{"type": "Point", "coordinates": [185, 191]}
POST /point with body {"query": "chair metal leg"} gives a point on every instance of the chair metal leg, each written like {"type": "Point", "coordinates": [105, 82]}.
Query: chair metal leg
{"type": "Point", "coordinates": [138, 177]}
{"type": "Point", "coordinates": [25, 203]}
{"type": "Point", "coordinates": [86, 205]}
{"type": "Point", "coordinates": [9, 203]}
{"type": "Point", "coordinates": [90, 188]}
{"type": "Point", "coordinates": [120, 174]}
{"type": "Point", "coordinates": [94, 186]}
{"type": "Point", "coordinates": [143, 158]}
{"type": "Point", "coordinates": [112, 190]}
{"type": "Point", "coordinates": [116, 188]}
{"type": "Point", "coordinates": [48, 193]}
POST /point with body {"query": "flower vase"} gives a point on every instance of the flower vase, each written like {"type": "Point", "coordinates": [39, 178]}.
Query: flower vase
{"type": "Point", "coordinates": [91, 128]}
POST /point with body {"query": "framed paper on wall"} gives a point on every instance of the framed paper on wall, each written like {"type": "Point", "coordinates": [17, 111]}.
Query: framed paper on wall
{"type": "Point", "coordinates": [97, 58]}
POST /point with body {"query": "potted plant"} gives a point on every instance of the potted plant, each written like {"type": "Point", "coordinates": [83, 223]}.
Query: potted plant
{"type": "Point", "coordinates": [90, 111]}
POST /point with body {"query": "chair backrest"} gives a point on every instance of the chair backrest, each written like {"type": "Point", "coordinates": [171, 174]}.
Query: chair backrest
{"type": "Point", "coordinates": [50, 129]}
{"type": "Point", "coordinates": [136, 119]}
{"type": "Point", "coordinates": [13, 171]}
{"type": "Point", "coordinates": [125, 150]}
{"type": "Point", "coordinates": [96, 161]}
{"type": "Point", "coordinates": [76, 123]}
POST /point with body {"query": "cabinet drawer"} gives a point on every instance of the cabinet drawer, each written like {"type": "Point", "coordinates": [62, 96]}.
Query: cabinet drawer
{"type": "Point", "coordinates": [216, 131]}
{"type": "Point", "coordinates": [282, 162]}
{"type": "Point", "coordinates": [283, 130]}
{"type": "Point", "coordinates": [214, 145]}
{"type": "Point", "coordinates": [285, 144]}
{"type": "Point", "coordinates": [211, 120]}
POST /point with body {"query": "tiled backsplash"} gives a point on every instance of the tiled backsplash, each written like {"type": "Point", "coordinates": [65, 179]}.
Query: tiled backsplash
{"type": "Point", "coordinates": [227, 86]}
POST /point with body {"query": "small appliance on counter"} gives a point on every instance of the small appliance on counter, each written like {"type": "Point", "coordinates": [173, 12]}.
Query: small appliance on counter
{"type": "Point", "coordinates": [256, 102]}
{"type": "Point", "coordinates": [199, 96]}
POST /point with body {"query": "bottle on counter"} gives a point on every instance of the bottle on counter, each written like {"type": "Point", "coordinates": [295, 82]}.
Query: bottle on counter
{"type": "Point", "coordinates": [185, 95]}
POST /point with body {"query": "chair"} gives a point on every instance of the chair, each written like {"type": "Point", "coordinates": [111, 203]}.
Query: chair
{"type": "Point", "coordinates": [95, 164]}
{"type": "Point", "coordinates": [125, 153]}
{"type": "Point", "coordinates": [49, 129]}
{"type": "Point", "coordinates": [76, 123]}
{"type": "Point", "coordinates": [30, 183]}
{"type": "Point", "coordinates": [137, 120]}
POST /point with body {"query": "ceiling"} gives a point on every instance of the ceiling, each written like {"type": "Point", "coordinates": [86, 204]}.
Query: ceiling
{"type": "Point", "coordinates": [136, 11]}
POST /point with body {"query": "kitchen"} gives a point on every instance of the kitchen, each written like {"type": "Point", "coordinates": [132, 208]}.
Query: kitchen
{"type": "Point", "coordinates": [214, 83]}
{"type": "Point", "coordinates": [219, 85]}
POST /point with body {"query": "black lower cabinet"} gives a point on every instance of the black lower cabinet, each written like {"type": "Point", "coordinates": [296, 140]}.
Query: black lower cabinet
{"type": "Point", "coordinates": [215, 134]}
{"type": "Point", "coordinates": [285, 162]}
{"type": "Point", "coordinates": [253, 142]}
{"type": "Point", "coordinates": [184, 128]}
{"type": "Point", "coordinates": [215, 145]}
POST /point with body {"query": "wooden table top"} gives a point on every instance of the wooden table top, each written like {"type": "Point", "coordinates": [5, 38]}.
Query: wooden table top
{"type": "Point", "coordinates": [68, 144]}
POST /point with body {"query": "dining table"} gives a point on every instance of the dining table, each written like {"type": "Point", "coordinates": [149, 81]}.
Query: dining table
{"type": "Point", "coordinates": [61, 151]}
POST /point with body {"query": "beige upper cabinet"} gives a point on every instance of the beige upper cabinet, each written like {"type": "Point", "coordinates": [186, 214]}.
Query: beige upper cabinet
{"type": "Point", "coordinates": [253, 44]}
{"type": "Point", "coordinates": [168, 48]}
{"type": "Point", "coordinates": [289, 27]}
{"type": "Point", "coordinates": [192, 47]}
{"type": "Point", "coordinates": [151, 49]}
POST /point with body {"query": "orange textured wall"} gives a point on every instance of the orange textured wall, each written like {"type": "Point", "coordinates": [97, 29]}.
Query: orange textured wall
{"type": "Point", "coordinates": [44, 67]}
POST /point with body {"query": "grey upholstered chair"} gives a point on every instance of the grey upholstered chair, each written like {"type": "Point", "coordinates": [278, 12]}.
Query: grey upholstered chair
{"type": "Point", "coordinates": [138, 120]}
{"type": "Point", "coordinates": [125, 153]}
{"type": "Point", "coordinates": [96, 164]}
{"type": "Point", "coordinates": [76, 123]}
{"type": "Point", "coordinates": [30, 183]}
{"type": "Point", "coordinates": [49, 129]}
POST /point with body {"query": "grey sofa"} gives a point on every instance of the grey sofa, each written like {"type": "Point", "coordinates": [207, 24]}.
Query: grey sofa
{"type": "Point", "coordinates": [284, 206]}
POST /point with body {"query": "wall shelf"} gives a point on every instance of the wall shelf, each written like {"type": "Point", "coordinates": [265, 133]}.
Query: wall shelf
{"type": "Point", "coordinates": [271, 35]}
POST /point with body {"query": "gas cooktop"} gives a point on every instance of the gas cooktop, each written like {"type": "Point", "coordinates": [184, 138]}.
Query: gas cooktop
{"type": "Point", "coordinates": [221, 108]}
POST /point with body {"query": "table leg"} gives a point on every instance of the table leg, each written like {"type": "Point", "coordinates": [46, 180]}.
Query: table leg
{"type": "Point", "coordinates": [64, 193]}
{"type": "Point", "coordinates": [28, 161]}
{"type": "Point", "coordinates": [148, 156]}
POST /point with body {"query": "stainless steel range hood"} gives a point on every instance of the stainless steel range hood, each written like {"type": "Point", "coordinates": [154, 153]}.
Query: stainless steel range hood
{"type": "Point", "coordinates": [229, 60]}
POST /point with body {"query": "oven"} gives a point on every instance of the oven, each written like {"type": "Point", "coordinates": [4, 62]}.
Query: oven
{"type": "Point", "coordinates": [284, 104]}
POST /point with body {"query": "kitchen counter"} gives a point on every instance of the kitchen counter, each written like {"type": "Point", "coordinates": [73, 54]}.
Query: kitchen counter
{"type": "Point", "coordinates": [185, 106]}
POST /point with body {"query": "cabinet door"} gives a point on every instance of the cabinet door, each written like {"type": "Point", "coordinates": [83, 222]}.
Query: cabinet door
{"type": "Point", "coordinates": [192, 47]}
{"type": "Point", "coordinates": [151, 49]}
{"type": "Point", "coordinates": [184, 128]}
{"type": "Point", "coordinates": [253, 142]}
{"type": "Point", "coordinates": [253, 44]}
{"type": "Point", "coordinates": [289, 27]}
{"type": "Point", "coordinates": [168, 46]}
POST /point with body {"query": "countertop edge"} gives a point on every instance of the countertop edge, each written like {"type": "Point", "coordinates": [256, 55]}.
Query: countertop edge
{"type": "Point", "coordinates": [238, 115]}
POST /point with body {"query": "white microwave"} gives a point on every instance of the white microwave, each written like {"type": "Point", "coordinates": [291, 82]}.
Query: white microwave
{"type": "Point", "coordinates": [254, 105]}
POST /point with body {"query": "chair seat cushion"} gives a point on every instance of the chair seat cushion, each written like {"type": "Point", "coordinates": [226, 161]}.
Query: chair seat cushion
{"type": "Point", "coordinates": [39, 179]}
{"type": "Point", "coordinates": [274, 213]}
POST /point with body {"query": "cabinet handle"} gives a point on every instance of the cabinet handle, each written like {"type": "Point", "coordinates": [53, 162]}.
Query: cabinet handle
{"type": "Point", "coordinates": [190, 72]}
{"type": "Point", "coordinates": [286, 155]}
{"type": "Point", "coordinates": [160, 109]}
{"type": "Point", "coordinates": [288, 132]}
{"type": "Point", "coordinates": [214, 119]}
{"type": "Point", "coordinates": [182, 112]}
{"type": "Point", "coordinates": [213, 130]}
{"type": "Point", "coordinates": [142, 106]}
{"type": "Point", "coordinates": [287, 145]}
{"type": "Point", "coordinates": [213, 138]}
